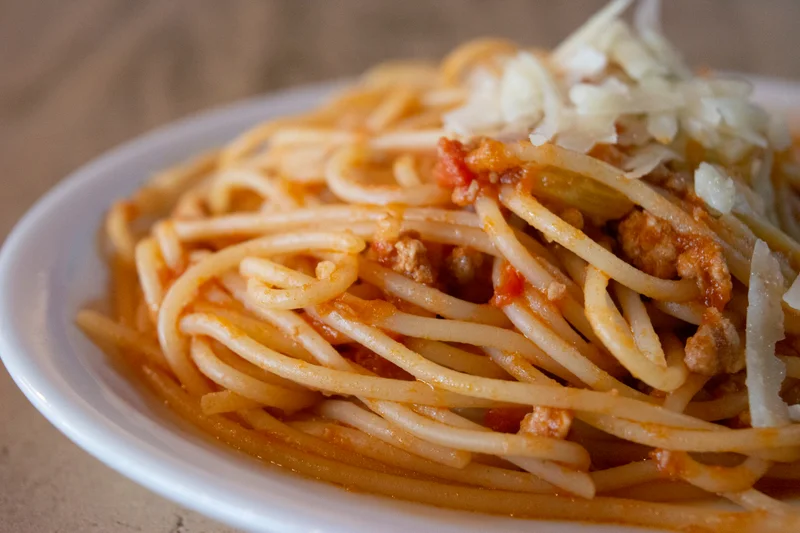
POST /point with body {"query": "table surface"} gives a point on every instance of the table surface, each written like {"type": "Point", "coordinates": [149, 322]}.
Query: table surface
{"type": "Point", "coordinates": [82, 76]}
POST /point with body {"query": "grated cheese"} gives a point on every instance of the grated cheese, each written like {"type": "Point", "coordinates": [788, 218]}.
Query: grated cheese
{"type": "Point", "coordinates": [607, 73]}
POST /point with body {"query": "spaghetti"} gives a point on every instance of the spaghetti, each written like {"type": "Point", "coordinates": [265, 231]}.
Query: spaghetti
{"type": "Point", "coordinates": [547, 285]}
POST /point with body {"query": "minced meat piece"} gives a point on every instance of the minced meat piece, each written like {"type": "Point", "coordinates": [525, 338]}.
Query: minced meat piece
{"type": "Point", "coordinates": [716, 347]}
{"type": "Point", "coordinates": [406, 255]}
{"type": "Point", "coordinates": [547, 422]}
{"type": "Point", "coordinates": [703, 261]}
{"type": "Point", "coordinates": [653, 246]}
{"type": "Point", "coordinates": [650, 243]}
{"type": "Point", "coordinates": [464, 264]}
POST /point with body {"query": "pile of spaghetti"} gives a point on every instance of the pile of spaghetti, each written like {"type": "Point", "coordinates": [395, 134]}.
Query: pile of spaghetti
{"type": "Point", "coordinates": [553, 285]}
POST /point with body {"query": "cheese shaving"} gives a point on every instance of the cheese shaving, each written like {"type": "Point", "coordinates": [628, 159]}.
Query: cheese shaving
{"type": "Point", "coordinates": [715, 188]}
{"type": "Point", "coordinates": [792, 296]}
{"type": "Point", "coordinates": [645, 160]}
{"type": "Point", "coordinates": [765, 372]}
{"type": "Point", "coordinates": [621, 73]}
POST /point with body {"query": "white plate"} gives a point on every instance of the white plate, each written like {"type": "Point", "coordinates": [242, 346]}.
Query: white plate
{"type": "Point", "coordinates": [49, 268]}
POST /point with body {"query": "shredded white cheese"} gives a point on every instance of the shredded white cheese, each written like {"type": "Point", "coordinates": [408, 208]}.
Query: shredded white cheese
{"type": "Point", "coordinates": [792, 296]}
{"type": "Point", "coordinates": [645, 160]}
{"type": "Point", "coordinates": [715, 188]}
{"type": "Point", "coordinates": [592, 29]}
{"type": "Point", "coordinates": [608, 73]}
{"type": "Point", "coordinates": [765, 372]}
{"type": "Point", "coordinates": [586, 63]}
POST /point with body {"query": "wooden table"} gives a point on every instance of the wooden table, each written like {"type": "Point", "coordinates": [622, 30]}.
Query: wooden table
{"type": "Point", "coordinates": [81, 76]}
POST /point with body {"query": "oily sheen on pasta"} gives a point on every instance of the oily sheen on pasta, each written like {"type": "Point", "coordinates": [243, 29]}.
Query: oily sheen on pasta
{"type": "Point", "coordinates": [543, 284]}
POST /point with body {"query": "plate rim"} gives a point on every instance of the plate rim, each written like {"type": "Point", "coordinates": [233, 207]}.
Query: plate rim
{"type": "Point", "coordinates": [88, 430]}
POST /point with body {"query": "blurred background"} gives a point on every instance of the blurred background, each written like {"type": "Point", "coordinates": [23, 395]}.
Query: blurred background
{"type": "Point", "coordinates": [80, 76]}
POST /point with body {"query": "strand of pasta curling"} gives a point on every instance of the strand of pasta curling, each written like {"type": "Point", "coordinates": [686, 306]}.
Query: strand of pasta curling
{"type": "Point", "coordinates": [481, 389]}
{"type": "Point", "coordinates": [427, 297]}
{"type": "Point", "coordinates": [525, 504]}
{"type": "Point", "coordinates": [560, 349]}
{"type": "Point", "coordinates": [404, 323]}
{"type": "Point", "coordinates": [455, 358]}
{"type": "Point", "coordinates": [489, 442]}
{"type": "Point", "coordinates": [618, 338]}
{"type": "Point", "coordinates": [644, 334]}
{"type": "Point", "coordinates": [548, 313]}
{"type": "Point", "coordinates": [637, 191]}
{"type": "Point", "coordinates": [716, 480]}
{"type": "Point", "coordinates": [563, 353]}
{"type": "Point", "coordinates": [266, 186]}
{"type": "Point", "coordinates": [463, 439]}
{"type": "Point", "coordinates": [503, 391]}
{"type": "Point", "coordinates": [689, 440]}
{"type": "Point", "coordinates": [225, 401]}
{"type": "Point", "coordinates": [575, 481]}
{"type": "Point", "coordinates": [264, 393]}
{"type": "Point", "coordinates": [346, 187]}
{"type": "Point", "coordinates": [464, 332]}
{"type": "Point", "coordinates": [527, 208]}
{"type": "Point", "coordinates": [314, 137]}
{"type": "Point", "coordinates": [472, 474]}
{"type": "Point", "coordinates": [376, 426]}
{"type": "Point", "coordinates": [328, 356]}
{"type": "Point", "coordinates": [535, 268]}
{"type": "Point", "coordinates": [503, 237]}
{"type": "Point", "coordinates": [184, 288]}
{"type": "Point", "coordinates": [709, 478]}
{"type": "Point", "coordinates": [735, 483]}
{"type": "Point", "coordinates": [148, 262]}
{"type": "Point", "coordinates": [314, 292]}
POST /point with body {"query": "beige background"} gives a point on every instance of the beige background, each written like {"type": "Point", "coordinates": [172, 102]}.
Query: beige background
{"type": "Point", "coordinates": [80, 76]}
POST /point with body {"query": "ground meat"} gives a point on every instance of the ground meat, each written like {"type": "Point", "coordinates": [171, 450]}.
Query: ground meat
{"type": "Point", "coordinates": [716, 347]}
{"type": "Point", "coordinates": [669, 463]}
{"type": "Point", "coordinates": [412, 260]}
{"type": "Point", "coordinates": [407, 255]}
{"type": "Point", "coordinates": [466, 195]}
{"type": "Point", "coordinates": [467, 274]}
{"type": "Point", "coordinates": [547, 422]}
{"type": "Point", "coordinates": [652, 245]}
{"type": "Point", "coordinates": [555, 291]}
{"type": "Point", "coordinates": [505, 419]}
{"type": "Point", "coordinates": [704, 262]}
{"type": "Point", "coordinates": [464, 264]}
